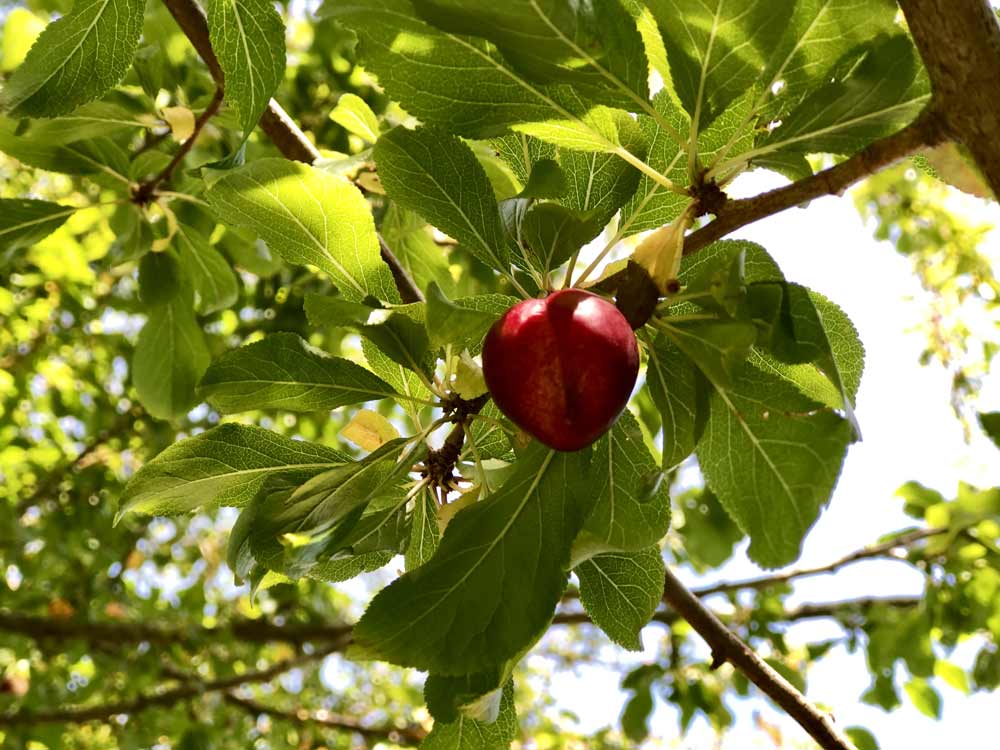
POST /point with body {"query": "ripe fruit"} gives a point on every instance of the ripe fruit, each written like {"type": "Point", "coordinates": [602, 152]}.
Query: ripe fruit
{"type": "Point", "coordinates": [562, 368]}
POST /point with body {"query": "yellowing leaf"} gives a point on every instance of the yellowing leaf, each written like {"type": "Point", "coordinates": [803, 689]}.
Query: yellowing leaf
{"type": "Point", "coordinates": [369, 430]}
{"type": "Point", "coordinates": [20, 31]}
{"type": "Point", "coordinates": [955, 168]}
{"type": "Point", "coordinates": [370, 182]}
{"type": "Point", "coordinates": [469, 381]}
{"type": "Point", "coordinates": [660, 254]}
{"type": "Point", "coordinates": [181, 122]}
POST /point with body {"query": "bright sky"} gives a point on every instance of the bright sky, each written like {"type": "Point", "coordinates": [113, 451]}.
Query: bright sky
{"type": "Point", "coordinates": [910, 433]}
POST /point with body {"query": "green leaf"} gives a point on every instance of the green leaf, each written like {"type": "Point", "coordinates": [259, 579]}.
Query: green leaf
{"type": "Point", "coordinates": [990, 422]}
{"type": "Point", "coordinates": [248, 37]}
{"type": "Point", "coordinates": [161, 278]}
{"type": "Point", "coordinates": [411, 239]}
{"type": "Point", "coordinates": [758, 265]}
{"type": "Point", "coordinates": [547, 179]}
{"type": "Point", "coordinates": [170, 357]}
{"type": "Point", "coordinates": [382, 527]}
{"type": "Point", "coordinates": [720, 287]}
{"type": "Point", "coordinates": [845, 344]}
{"type": "Point", "coordinates": [772, 457]}
{"type": "Point", "coordinates": [818, 33]}
{"type": "Point", "coordinates": [255, 541]}
{"type": "Point", "coordinates": [360, 510]}
{"type": "Point", "coordinates": [672, 381]}
{"type": "Point", "coordinates": [599, 184]}
{"type": "Point", "coordinates": [214, 281]}
{"type": "Point", "coordinates": [409, 384]}
{"type": "Point", "coordinates": [248, 252]}
{"type": "Point", "coordinates": [862, 738]}
{"type": "Point", "coordinates": [718, 348]}
{"type": "Point", "coordinates": [281, 371]}
{"type": "Point", "coordinates": [490, 438]}
{"type": "Point", "coordinates": [91, 157]}
{"type": "Point", "coordinates": [476, 696]}
{"type": "Point", "coordinates": [354, 115]}
{"type": "Point", "coordinates": [800, 337]}
{"type": "Point", "coordinates": [344, 569]}
{"type": "Point", "coordinates": [708, 532]}
{"type": "Point", "coordinates": [424, 532]}
{"type": "Point", "coordinates": [464, 84]}
{"type": "Point", "coordinates": [553, 233]}
{"type": "Point", "coordinates": [521, 153]}
{"type": "Point", "coordinates": [595, 47]}
{"type": "Point", "coordinates": [873, 97]}
{"type": "Point", "coordinates": [632, 508]}
{"type": "Point", "coordinates": [620, 592]}
{"type": "Point", "coordinates": [89, 121]}
{"type": "Point", "coordinates": [457, 604]}
{"type": "Point", "coordinates": [806, 378]}
{"type": "Point", "coordinates": [651, 205]}
{"type": "Point", "coordinates": [924, 697]}
{"type": "Point", "coordinates": [952, 674]}
{"type": "Point", "coordinates": [639, 706]}
{"type": "Point", "coordinates": [24, 222]}
{"type": "Point", "coordinates": [226, 465]}
{"type": "Point", "coordinates": [460, 325]}
{"type": "Point", "coordinates": [345, 490]}
{"type": "Point", "coordinates": [986, 669]}
{"type": "Point", "coordinates": [882, 693]}
{"type": "Point", "coordinates": [717, 49]}
{"type": "Point", "coordinates": [308, 216]}
{"type": "Point", "coordinates": [397, 335]}
{"type": "Point", "coordinates": [470, 734]}
{"type": "Point", "coordinates": [77, 59]}
{"type": "Point", "coordinates": [437, 175]}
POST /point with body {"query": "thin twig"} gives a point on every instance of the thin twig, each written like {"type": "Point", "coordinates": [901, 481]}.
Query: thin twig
{"type": "Point", "coordinates": [408, 289]}
{"type": "Point", "coordinates": [726, 646]}
{"type": "Point", "coordinates": [105, 711]}
{"type": "Point", "coordinates": [246, 631]}
{"type": "Point", "coordinates": [926, 130]}
{"type": "Point", "coordinates": [846, 609]}
{"type": "Point", "coordinates": [146, 190]}
{"type": "Point", "coordinates": [409, 735]}
{"type": "Point", "coordinates": [883, 549]}
{"type": "Point", "coordinates": [284, 133]}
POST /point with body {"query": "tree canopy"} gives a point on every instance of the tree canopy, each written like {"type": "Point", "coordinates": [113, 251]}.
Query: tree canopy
{"type": "Point", "coordinates": [254, 486]}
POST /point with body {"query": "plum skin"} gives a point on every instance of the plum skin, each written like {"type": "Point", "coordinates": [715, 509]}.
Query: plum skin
{"type": "Point", "coordinates": [562, 368]}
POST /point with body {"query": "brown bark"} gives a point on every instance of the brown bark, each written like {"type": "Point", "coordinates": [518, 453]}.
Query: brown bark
{"type": "Point", "coordinates": [959, 41]}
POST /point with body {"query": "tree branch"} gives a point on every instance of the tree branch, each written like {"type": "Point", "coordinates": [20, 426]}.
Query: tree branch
{"type": "Point", "coordinates": [410, 735]}
{"type": "Point", "coordinates": [960, 45]}
{"type": "Point", "coordinates": [117, 633]}
{"type": "Point", "coordinates": [104, 711]}
{"type": "Point", "coordinates": [727, 647]}
{"type": "Point", "coordinates": [280, 128]}
{"type": "Point", "coordinates": [853, 608]}
{"type": "Point", "coordinates": [926, 130]}
{"type": "Point", "coordinates": [885, 549]}
{"type": "Point", "coordinates": [261, 631]}
{"type": "Point", "coordinates": [145, 191]}
{"type": "Point", "coordinates": [846, 608]}
{"type": "Point", "coordinates": [287, 137]}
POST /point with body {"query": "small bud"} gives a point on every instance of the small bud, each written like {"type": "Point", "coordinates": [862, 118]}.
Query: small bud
{"type": "Point", "coordinates": [660, 255]}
